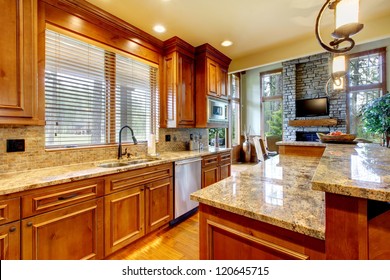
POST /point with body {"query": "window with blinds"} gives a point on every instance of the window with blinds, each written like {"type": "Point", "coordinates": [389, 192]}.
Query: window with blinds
{"type": "Point", "coordinates": [92, 92]}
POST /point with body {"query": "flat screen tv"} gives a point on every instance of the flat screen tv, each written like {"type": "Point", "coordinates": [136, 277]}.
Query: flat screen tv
{"type": "Point", "coordinates": [312, 107]}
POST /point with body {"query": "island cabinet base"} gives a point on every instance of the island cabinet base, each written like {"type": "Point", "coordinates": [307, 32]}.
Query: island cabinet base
{"type": "Point", "coordinates": [224, 235]}
{"type": "Point", "coordinates": [310, 151]}
{"type": "Point", "coordinates": [356, 228]}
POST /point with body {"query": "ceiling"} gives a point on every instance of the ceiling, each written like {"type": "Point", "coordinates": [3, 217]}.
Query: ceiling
{"type": "Point", "coordinates": [252, 25]}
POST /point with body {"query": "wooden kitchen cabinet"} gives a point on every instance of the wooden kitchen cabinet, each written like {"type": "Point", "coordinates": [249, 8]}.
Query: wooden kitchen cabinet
{"type": "Point", "coordinates": [215, 168]}
{"type": "Point", "coordinates": [225, 164]}
{"type": "Point", "coordinates": [227, 236]}
{"type": "Point", "coordinates": [159, 204]}
{"type": "Point", "coordinates": [63, 222]}
{"type": "Point", "coordinates": [70, 233]}
{"type": "Point", "coordinates": [211, 74]}
{"type": "Point", "coordinates": [210, 172]}
{"type": "Point", "coordinates": [10, 229]}
{"type": "Point", "coordinates": [137, 202]}
{"type": "Point", "coordinates": [10, 241]}
{"type": "Point", "coordinates": [217, 79]}
{"type": "Point", "coordinates": [178, 90]}
{"type": "Point", "coordinates": [19, 99]}
{"type": "Point", "coordinates": [123, 218]}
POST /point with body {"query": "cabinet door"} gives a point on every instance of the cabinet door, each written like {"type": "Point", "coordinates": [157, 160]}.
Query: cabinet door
{"type": "Point", "coordinates": [74, 232]}
{"type": "Point", "coordinates": [10, 241]}
{"type": "Point", "coordinates": [186, 98]}
{"type": "Point", "coordinates": [224, 171]}
{"type": "Point", "coordinates": [159, 204]}
{"type": "Point", "coordinates": [223, 82]}
{"type": "Point", "coordinates": [124, 218]}
{"type": "Point", "coordinates": [212, 77]}
{"type": "Point", "coordinates": [168, 97]}
{"type": "Point", "coordinates": [210, 175]}
{"type": "Point", "coordinates": [18, 63]}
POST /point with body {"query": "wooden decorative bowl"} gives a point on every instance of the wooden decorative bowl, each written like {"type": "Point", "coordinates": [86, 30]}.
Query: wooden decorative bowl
{"type": "Point", "coordinates": [344, 138]}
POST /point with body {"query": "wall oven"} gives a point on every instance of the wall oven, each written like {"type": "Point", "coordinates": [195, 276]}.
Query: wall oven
{"type": "Point", "coordinates": [217, 110]}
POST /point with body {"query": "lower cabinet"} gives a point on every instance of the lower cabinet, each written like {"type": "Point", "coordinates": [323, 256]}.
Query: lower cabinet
{"type": "Point", "coordinates": [225, 164]}
{"type": "Point", "coordinates": [215, 168]}
{"type": "Point", "coordinates": [227, 236]}
{"type": "Point", "coordinates": [10, 241]}
{"type": "Point", "coordinates": [209, 176]}
{"type": "Point", "coordinates": [71, 233]}
{"type": "Point", "coordinates": [143, 204]}
{"type": "Point", "coordinates": [124, 218]}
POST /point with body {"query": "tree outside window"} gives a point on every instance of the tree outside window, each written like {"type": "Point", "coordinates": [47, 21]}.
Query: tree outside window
{"type": "Point", "coordinates": [271, 86]}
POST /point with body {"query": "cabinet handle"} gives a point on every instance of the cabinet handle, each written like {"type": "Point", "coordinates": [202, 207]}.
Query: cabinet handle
{"type": "Point", "coordinates": [29, 224]}
{"type": "Point", "coordinates": [67, 196]}
{"type": "Point", "coordinates": [12, 229]}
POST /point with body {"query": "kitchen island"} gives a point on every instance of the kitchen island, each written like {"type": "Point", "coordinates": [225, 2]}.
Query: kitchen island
{"type": "Point", "coordinates": [301, 207]}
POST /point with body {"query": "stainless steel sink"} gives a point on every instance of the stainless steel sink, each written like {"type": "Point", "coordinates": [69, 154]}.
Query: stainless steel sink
{"type": "Point", "coordinates": [126, 163]}
{"type": "Point", "coordinates": [113, 164]}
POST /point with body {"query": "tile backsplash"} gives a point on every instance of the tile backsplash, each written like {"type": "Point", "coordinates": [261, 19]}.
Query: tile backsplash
{"type": "Point", "coordinates": [36, 156]}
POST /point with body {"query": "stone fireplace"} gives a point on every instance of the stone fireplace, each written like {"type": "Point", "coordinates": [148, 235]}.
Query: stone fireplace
{"type": "Point", "coordinates": [306, 78]}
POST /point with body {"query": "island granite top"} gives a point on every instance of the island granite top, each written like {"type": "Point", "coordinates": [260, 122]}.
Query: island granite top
{"type": "Point", "coordinates": [277, 192]}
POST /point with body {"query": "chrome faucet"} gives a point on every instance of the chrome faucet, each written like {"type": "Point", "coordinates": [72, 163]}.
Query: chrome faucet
{"type": "Point", "coordinates": [120, 154]}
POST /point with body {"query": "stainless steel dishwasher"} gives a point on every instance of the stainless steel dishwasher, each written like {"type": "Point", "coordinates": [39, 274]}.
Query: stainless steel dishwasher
{"type": "Point", "coordinates": [187, 180]}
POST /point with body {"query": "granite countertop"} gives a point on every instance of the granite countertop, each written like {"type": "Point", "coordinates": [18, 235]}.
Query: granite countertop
{"type": "Point", "coordinates": [277, 192]}
{"type": "Point", "coordinates": [37, 178]}
{"type": "Point", "coordinates": [361, 170]}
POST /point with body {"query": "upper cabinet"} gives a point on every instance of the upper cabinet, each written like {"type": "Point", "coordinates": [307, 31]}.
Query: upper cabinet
{"type": "Point", "coordinates": [211, 71]}
{"type": "Point", "coordinates": [19, 102]}
{"type": "Point", "coordinates": [216, 79]}
{"type": "Point", "coordinates": [178, 88]}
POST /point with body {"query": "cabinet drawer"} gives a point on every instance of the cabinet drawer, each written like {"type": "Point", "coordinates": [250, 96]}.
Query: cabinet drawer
{"type": "Point", "coordinates": [208, 161]}
{"type": "Point", "coordinates": [137, 177]}
{"type": "Point", "coordinates": [52, 198]}
{"type": "Point", "coordinates": [225, 158]}
{"type": "Point", "coordinates": [9, 210]}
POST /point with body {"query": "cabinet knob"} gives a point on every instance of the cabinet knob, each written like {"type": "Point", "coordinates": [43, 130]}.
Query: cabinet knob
{"type": "Point", "coordinates": [12, 229]}
{"type": "Point", "coordinates": [29, 224]}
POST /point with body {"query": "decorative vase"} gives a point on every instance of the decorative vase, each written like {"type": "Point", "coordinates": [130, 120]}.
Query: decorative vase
{"type": "Point", "coordinates": [246, 146]}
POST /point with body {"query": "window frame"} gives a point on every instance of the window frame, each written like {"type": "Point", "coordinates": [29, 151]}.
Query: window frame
{"type": "Point", "coordinates": [236, 100]}
{"type": "Point", "coordinates": [268, 98]}
{"type": "Point", "coordinates": [382, 86]}
{"type": "Point", "coordinates": [110, 116]}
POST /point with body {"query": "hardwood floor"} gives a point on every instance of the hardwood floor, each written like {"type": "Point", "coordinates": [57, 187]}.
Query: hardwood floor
{"type": "Point", "coordinates": [180, 242]}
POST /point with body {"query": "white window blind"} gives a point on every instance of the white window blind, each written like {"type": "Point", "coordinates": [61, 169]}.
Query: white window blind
{"type": "Point", "coordinates": [92, 92]}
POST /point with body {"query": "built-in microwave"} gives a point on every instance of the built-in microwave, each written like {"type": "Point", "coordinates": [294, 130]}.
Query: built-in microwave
{"type": "Point", "coordinates": [217, 110]}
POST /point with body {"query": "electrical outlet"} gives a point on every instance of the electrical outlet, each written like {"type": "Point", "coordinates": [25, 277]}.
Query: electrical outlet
{"type": "Point", "coordinates": [15, 145]}
{"type": "Point", "coordinates": [167, 138]}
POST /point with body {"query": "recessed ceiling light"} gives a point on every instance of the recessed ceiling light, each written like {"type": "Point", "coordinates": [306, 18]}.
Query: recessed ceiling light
{"type": "Point", "coordinates": [227, 43]}
{"type": "Point", "coordinates": [159, 28]}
